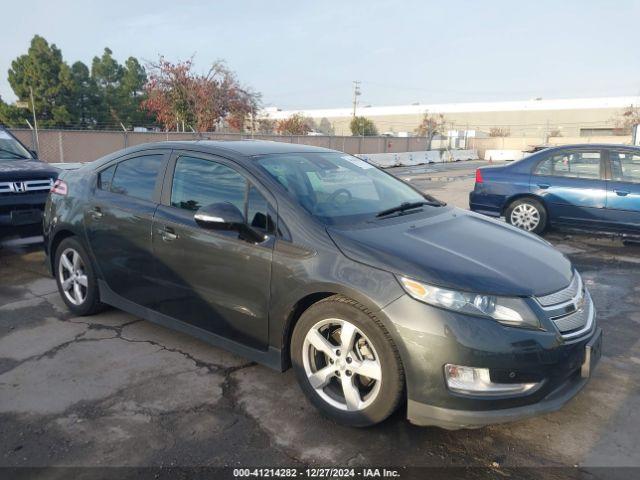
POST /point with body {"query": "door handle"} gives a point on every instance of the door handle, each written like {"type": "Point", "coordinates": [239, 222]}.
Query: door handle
{"type": "Point", "coordinates": [544, 185]}
{"type": "Point", "coordinates": [621, 193]}
{"type": "Point", "coordinates": [96, 213]}
{"type": "Point", "coordinates": [167, 234]}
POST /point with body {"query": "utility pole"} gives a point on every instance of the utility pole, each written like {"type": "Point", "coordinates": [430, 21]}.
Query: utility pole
{"type": "Point", "coordinates": [356, 94]}
{"type": "Point", "coordinates": [35, 121]}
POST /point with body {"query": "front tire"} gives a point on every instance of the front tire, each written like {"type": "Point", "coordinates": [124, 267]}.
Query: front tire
{"type": "Point", "coordinates": [346, 362]}
{"type": "Point", "coordinates": [76, 278]}
{"type": "Point", "coordinates": [527, 214]}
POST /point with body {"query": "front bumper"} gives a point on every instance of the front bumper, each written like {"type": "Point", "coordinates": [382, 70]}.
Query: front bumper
{"type": "Point", "coordinates": [429, 337]}
{"type": "Point", "coordinates": [428, 415]}
{"type": "Point", "coordinates": [17, 210]}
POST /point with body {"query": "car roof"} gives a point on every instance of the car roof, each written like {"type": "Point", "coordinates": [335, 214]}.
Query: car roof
{"type": "Point", "coordinates": [247, 147]}
{"type": "Point", "coordinates": [589, 145]}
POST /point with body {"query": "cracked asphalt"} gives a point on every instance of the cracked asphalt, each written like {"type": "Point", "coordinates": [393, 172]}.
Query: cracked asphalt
{"type": "Point", "coordinates": [115, 390]}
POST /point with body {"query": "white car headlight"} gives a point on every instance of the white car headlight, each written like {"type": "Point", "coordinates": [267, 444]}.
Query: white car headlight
{"type": "Point", "coordinates": [511, 311]}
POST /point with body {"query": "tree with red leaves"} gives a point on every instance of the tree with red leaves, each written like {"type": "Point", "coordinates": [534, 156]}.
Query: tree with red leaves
{"type": "Point", "coordinates": [296, 124]}
{"type": "Point", "coordinates": [629, 118]}
{"type": "Point", "coordinates": [180, 98]}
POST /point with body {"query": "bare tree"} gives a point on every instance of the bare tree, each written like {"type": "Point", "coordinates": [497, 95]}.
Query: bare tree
{"type": "Point", "coordinates": [266, 126]}
{"type": "Point", "coordinates": [325, 126]}
{"type": "Point", "coordinates": [430, 126]}
{"type": "Point", "coordinates": [499, 132]}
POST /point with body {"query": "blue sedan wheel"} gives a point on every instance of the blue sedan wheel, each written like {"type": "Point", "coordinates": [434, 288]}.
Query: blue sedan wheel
{"type": "Point", "coordinates": [527, 214]}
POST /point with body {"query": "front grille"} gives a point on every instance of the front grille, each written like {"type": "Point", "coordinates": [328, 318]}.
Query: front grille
{"type": "Point", "coordinates": [564, 295]}
{"type": "Point", "coordinates": [25, 186]}
{"type": "Point", "coordinates": [570, 309]}
{"type": "Point", "coordinates": [574, 321]}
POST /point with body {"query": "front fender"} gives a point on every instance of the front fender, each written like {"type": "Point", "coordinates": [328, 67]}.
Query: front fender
{"type": "Point", "coordinates": [333, 273]}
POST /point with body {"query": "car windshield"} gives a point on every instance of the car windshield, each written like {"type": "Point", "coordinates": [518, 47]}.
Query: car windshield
{"type": "Point", "coordinates": [10, 149]}
{"type": "Point", "coordinates": [338, 188]}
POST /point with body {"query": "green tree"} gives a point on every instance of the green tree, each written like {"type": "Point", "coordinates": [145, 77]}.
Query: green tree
{"type": "Point", "coordinates": [131, 92]}
{"type": "Point", "coordinates": [11, 115]}
{"type": "Point", "coordinates": [85, 97]}
{"type": "Point", "coordinates": [121, 88]}
{"type": "Point", "coordinates": [107, 73]}
{"type": "Point", "coordinates": [362, 126]}
{"type": "Point", "coordinates": [43, 70]}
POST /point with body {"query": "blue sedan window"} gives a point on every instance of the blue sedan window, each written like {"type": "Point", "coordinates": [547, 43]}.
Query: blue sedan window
{"type": "Point", "coordinates": [577, 164]}
{"type": "Point", "coordinates": [625, 167]}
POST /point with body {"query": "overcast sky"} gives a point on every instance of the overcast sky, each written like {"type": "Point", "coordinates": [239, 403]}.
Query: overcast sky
{"type": "Point", "coordinates": [304, 54]}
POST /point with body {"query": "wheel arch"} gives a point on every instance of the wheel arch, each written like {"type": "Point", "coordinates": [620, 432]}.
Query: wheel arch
{"type": "Point", "coordinates": [520, 196]}
{"type": "Point", "coordinates": [310, 299]}
{"type": "Point", "coordinates": [295, 313]}
{"type": "Point", "coordinates": [57, 238]}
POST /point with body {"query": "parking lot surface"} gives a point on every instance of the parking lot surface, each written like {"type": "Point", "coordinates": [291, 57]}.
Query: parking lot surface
{"type": "Point", "coordinates": [112, 389]}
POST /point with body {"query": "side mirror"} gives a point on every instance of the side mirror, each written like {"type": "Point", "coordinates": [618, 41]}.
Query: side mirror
{"type": "Point", "coordinates": [219, 216]}
{"type": "Point", "coordinates": [33, 153]}
{"type": "Point", "coordinates": [226, 216]}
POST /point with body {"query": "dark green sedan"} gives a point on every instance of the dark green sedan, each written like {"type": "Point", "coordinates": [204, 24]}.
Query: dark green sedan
{"type": "Point", "coordinates": [377, 294]}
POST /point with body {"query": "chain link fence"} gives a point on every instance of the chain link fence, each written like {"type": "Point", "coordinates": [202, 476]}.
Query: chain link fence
{"type": "Point", "coordinates": [86, 145]}
{"type": "Point", "coordinates": [83, 145]}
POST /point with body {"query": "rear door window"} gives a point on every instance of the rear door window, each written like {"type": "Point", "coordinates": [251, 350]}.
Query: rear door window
{"type": "Point", "coordinates": [571, 163]}
{"type": "Point", "coordinates": [136, 177]}
{"type": "Point", "coordinates": [625, 167]}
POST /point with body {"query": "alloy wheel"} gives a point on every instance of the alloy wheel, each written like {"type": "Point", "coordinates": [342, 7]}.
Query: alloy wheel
{"type": "Point", "coordinates": [342, 364]}
{"type": "Point", "coordinates": [525, 216]}
{"type": "Point", "coordinates": [73, 277]}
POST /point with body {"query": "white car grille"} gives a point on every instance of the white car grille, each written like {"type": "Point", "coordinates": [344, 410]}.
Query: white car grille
{"type": "Point", "coordinates": [564, 295]}
{"type": "Point", "coordinates": [26, 186]}
{"type": "Point", "coordinates": [571, 309]}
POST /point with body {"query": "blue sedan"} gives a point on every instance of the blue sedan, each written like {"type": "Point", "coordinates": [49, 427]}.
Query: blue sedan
{"type": "Point", "coordinates": [596, 187]}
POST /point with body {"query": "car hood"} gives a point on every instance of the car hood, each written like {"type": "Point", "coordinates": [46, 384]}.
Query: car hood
{"type": "Point", "coordinates": [26, 169]}
{"type": "Point", "coordinates": [457, 249]}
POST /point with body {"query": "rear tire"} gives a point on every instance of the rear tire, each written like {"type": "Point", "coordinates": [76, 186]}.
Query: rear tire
{"type": "Point", "coordinates": [527, 214]}
{"type": "Point", "coordinates": [76, 278]}
{"type": "Point", "coordinates": [334, 344]}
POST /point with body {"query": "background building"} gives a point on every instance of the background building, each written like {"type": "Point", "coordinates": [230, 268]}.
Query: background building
{"type": "Point", "coordinates": [580, 117]}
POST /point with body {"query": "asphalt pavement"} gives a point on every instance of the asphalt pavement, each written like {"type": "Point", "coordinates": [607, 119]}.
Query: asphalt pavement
{"type": "Point", "coordinates": [114, 390]}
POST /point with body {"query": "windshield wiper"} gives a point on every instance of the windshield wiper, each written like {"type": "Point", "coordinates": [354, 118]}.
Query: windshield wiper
{"type": "Point", "coordinates": [17, 155]}
{"type": "Point", "coordinates": [403, 207]}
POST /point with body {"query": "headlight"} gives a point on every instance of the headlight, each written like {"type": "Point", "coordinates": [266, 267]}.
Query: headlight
{"type": "Point", "coordinates": [507, 310]}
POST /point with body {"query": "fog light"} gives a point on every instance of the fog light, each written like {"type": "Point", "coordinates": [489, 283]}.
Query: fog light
{"type": "Point", "coordinates": [477, 381]}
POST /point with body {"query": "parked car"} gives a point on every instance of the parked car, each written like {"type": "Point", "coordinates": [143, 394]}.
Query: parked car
{"type": "Point", "coordinates": [25, 182]}
{"type": "Point", "coordinates": [596, 187]}
{"type": "Point", "coordinates": [300, 256]}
